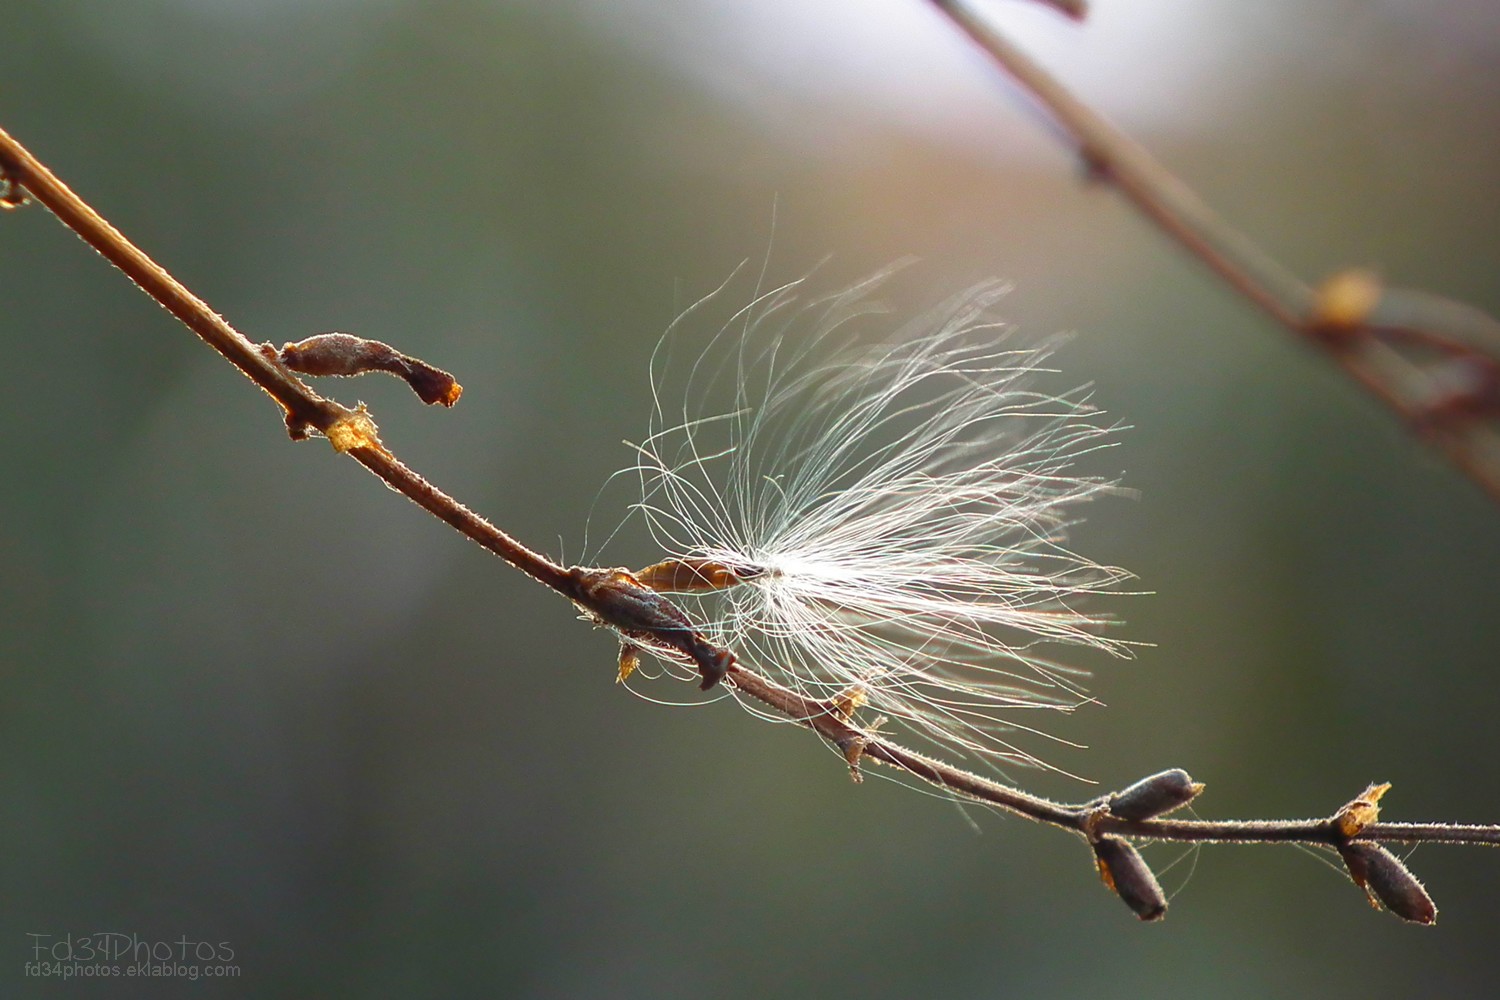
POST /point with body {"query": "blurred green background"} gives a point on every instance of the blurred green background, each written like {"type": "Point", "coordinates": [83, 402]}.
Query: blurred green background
{"type": "Point", "coordinates": [250, 696]}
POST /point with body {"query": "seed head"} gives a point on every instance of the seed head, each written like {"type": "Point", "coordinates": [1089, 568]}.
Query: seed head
{"type": "Point", "coordinates": [886, 513]}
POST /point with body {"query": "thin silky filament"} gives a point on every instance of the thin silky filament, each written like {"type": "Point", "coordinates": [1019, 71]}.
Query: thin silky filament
{"type": "Point", "coordinates": [892, 508]}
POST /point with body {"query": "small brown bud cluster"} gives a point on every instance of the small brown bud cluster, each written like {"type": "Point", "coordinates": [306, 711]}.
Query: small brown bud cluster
{"type": "Point", "coordinates": [1120, 865]}
{"type": "Point", "coordinates": [1384, 878]}
{"type": "Point", "coordinates": [644, 618]}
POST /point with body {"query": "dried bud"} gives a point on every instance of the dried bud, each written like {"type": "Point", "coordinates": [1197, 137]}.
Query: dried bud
{"type": "Point", "coordinates": [1355, 815]}
{"type": "Point", "coordinates": [355, 429]}
{"type": "Point", "coordinates": [1387, 881]}
{"type": "Point", "coordinates": [853, 749]}
{"type": "Point", "coordinates": [1124, 870]}
{"type": "Point", "coordinates": [346, 354]}
{"type": "Point", "coordinates": [630, 658]}
{"type": "Point", "coordinates": [642, 617]}
{"type": "Point", "coordinates": [1154, 796]}
{"type": "Point", "coordinates": [848, 701]}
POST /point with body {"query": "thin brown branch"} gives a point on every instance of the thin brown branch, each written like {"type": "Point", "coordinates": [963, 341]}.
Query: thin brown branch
{"type": "Point", "coordinates": [301, 404]}
{"type": "Point", "coordinates": [351, 431]}
{"type": "Point", "coordinates": [618, 599]}
{"type": "Point", "coordinates": [1355, 342]}
{"type": "Point", "coordinates": [1085, 818]}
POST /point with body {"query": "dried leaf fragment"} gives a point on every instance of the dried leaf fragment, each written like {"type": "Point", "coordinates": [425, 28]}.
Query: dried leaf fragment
{"type": "Point", "coordinates": [848, 701]}
{"type": "Point", "coordinates": [630, 659]}
{"type": "Point", "coordinates": [854, 751]}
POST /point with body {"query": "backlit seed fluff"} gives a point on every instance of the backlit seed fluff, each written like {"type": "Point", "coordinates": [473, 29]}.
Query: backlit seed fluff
{"type": "Point", "coordinates": [893, 504]}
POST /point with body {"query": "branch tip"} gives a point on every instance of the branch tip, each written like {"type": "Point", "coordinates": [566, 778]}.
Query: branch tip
{"type": "Point", "coordinates": [1075, 10]}
{"type": "Point", "coordinates": [1349, 309]}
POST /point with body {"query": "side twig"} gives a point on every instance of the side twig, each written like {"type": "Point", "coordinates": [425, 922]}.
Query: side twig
{"type": "Point", "coordinates": [641, 616]}
{"type": "Point", "coordinates": [1367, 330]}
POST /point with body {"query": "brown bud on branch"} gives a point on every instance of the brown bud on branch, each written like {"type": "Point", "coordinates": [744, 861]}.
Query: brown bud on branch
{"type": "Point", "coordinates": [345, 354]}
{"type": "Point", "coordinates": [642, 617]}
{"type": "Point", "coordinates": [1124, 870]}
{"type": "Point", "coordinates": [1387, 881]}
{"type": "Point", "coordinates": [1154, 796]}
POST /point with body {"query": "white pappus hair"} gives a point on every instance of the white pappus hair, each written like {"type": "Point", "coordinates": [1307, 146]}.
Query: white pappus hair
{"type": "Point", "coordinates": [895, 509]}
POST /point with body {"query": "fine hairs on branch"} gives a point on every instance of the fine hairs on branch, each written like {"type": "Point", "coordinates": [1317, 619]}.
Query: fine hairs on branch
{"type": "Point", "coordinates": [772, 610]}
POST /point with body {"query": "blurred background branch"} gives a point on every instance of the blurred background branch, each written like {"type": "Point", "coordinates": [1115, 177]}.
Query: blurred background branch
{"type": "Point", "coordinates": [1453, 404]}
